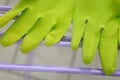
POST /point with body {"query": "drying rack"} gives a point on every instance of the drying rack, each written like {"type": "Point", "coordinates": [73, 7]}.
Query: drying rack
{"type": "Point", "coordinates": [28, 67]}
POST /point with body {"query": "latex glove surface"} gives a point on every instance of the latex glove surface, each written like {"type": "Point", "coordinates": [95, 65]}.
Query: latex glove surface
{"type": "Point", "coordinates": [98, 16]}
{"type": "Point", "coordinates": [39, 19]}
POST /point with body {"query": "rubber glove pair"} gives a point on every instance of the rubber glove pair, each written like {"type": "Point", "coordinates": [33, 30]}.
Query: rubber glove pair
{"type": "Point", "coordinates": [97, 23]}
{"type": "Point", "coordinates": [50, 19]}
{"type": "Point", "coordinates": [39, 19]}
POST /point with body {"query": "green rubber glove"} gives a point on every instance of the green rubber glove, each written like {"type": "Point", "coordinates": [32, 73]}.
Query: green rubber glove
{"type": "Point", "coordinates": [40, 19]}
{"type": "Point", "coordinates": [90, 18]}
{"type": "Point", "coordinates": [110, 36]}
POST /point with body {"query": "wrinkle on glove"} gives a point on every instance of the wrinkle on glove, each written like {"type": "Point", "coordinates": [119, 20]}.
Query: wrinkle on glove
{"type": "Point", "coordinates": [99, 15]}
{"type": "Point", "coordinates": [39, 19]}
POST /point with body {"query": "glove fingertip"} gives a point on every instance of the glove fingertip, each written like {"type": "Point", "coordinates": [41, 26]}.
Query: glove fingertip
{"type": "Point", "coordinates": [24, 50]}
{"type": "Point", "coordinates": [2, 22]}
{"type": "Point", "coordinates": [4, 42]}
{"type": "Point", "coordinates": [108, 70]}
{"type": "Point", "coordinates": [9, 39]}
{"type": "Point", "coordinates": [87, 59]}
{"type": "Point", "coordinates": [87, 54]}
{"type": "Point", "coordinates": [74, 46]}
{"type": "Point", "coordinates": [27, 45]}
{"type": "Point", "coordinates": [49, 41]}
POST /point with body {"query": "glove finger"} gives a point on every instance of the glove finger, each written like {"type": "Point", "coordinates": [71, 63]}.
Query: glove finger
{"type": "Point", "coordinates": [11, 14]}
{"type": "Point", "coordinates": [36, 34]}
{"type": "Point", "coordinates": [90, 41]}
{"type": "Point", "coordinates": [57, 33]}
{"type": "Point", "coordinates": [19, 28]}
{"type": "Point", "coordinates": [77, 32]}
{"type": "Point", "coordinates": [108, 48]}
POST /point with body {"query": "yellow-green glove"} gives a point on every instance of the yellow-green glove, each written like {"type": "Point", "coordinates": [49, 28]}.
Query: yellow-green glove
{"type": "Point", "coordinates": [39, 19]}
{"type": "Point", "coordinates": [97, 14]}
{"type": "Point", "coordinates": [110, 36]}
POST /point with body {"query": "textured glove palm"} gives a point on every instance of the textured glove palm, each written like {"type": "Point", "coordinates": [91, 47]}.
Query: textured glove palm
{"type": "Point", "coordinates": [39, 19]}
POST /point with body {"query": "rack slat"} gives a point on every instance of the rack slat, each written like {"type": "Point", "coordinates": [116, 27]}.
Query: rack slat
{"type": "Point", "coordinates": [54, 69]}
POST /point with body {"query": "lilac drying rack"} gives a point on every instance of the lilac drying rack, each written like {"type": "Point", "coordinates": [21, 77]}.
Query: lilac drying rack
{"type": "Point", "coordinates": [51, 69]}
